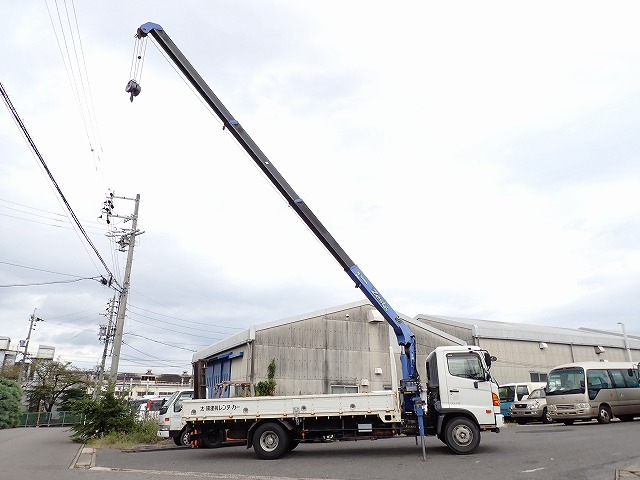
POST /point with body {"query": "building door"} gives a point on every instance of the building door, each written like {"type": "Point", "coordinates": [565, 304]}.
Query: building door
{"type": "Point", "coordinates": [218, 370]}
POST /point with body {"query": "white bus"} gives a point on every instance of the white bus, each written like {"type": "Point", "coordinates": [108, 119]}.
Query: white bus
{"type": "Point", "coordinates": [588, 390]}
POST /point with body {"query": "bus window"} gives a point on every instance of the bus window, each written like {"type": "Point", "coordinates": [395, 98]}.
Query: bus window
{"type": "Point", "coordinates": [618, 378]}
{"type": "Point", "coordinates": [597, 380]}
{"type": "Point", "coordinates": [630, 376]}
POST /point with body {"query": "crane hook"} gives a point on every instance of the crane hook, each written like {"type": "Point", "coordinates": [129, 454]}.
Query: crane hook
{"type": "Point", "coordinates": [133, 88]}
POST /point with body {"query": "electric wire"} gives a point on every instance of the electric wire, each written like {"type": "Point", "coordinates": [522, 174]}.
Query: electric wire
{"type": "Point", "coordinates": [183, 320]}
{"type": "Point", "coordinates": [161, 343]}
{"type": "Point", "coordinates": [35, 150]}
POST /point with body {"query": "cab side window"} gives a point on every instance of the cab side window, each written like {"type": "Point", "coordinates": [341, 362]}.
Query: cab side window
{"type": "Point", "coordinates": [465, 365]}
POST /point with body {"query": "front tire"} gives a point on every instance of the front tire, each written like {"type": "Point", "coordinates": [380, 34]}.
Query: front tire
{"type": "Point", "coordinates": [546, 416]}
{"type": "Point", "coordinates": [604, 414]}
{"type": "Point", "coordinates": [462, 436]}
{"type": "Point", "coordinates": [271, 441]}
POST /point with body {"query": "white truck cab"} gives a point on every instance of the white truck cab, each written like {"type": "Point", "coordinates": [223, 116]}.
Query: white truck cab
{"type": "Point", "coordinates": [170, 418]}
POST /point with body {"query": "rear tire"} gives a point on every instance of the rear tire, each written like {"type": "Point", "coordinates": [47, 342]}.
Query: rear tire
{"type": "Point", "coordinates": [212, 438]}
{"type": "Point", "coordinates": [462, 435]}
{"type": "Point", "coordinates": [271, 441]}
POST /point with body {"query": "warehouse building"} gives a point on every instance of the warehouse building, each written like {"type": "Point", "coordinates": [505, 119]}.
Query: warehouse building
{"type": "Point", "coordinates": [351, 348]}
{"type": "Point", "coordinates": [527, 352]}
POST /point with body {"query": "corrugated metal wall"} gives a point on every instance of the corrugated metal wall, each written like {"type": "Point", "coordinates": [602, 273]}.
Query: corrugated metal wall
{"type": "Point", "coordinates": [316, 353]}
{"type": "Point", "coordinates": [517, 359]}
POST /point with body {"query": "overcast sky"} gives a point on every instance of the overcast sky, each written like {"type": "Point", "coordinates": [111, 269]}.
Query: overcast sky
{"type": "Point", "coordinates": [475, 159]}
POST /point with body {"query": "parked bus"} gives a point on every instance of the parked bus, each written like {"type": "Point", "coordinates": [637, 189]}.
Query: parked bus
{"type": "Point", "coordinates": [514, 392]}
{"type": "Point", "coordinates": [588, 390]}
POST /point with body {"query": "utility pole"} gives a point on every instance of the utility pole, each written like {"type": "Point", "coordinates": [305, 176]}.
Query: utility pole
{"type": "Point", "coordinates": [24, 371]}
{"type": "Point", "coordinates": [127, 240]}
{"type": "Point", "coordinates": [107, 333]}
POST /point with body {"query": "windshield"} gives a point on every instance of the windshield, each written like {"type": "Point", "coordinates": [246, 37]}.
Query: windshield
{"type": "Point", "coordinates": [565, 381]}
{"type": "Point", "coordinates": [507, 394]}
{"type": "Point", "coordinates": [172, 398]}
{"type": "Point", "coordinates": [538, 393]}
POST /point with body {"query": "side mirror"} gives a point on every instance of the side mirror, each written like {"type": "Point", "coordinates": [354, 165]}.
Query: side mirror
{"type": "Point", "coordinates": [488, 359]}
{"type": "Point", "coordinates": [177, 407]}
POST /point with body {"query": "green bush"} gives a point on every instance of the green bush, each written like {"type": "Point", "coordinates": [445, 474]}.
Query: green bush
{"type": "Point", "coordinates": [105, 415]}
{"type": "Point", "coordinates": [267, 387]}
{"type": "Point", "coordinates": [10, 403]}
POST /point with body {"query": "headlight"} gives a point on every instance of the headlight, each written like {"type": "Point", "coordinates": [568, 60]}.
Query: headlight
{"type": "Point", "coordinates": [581, 406]}
{"type": "Point", "coordinates": [512, 407]}
{"type": "Point", "coordinates": [552, 408]}
{"type": "Point", "coordinates": [533, 406]}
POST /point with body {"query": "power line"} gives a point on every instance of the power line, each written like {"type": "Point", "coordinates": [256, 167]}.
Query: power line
{"type": "Point", "coordinates": [19, 122]}
{"type": "Point", "coordinates": [41, 270]}
{"type": "Point", "coordinates": [161, 343]}
{"type": "Point", "coordinates": [48, 283]}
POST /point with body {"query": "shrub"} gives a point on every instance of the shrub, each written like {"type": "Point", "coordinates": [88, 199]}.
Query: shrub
{"type": "Point", "coordinates": [105, 415]}
{"type": "Point", "coordinates": [267, 387]}
{"type": "Point", "coordinates": [10, 403]}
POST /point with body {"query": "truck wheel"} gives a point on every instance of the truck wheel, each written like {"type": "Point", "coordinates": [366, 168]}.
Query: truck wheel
{"type": "Point", "coordinates": [183, 439]}
{"type": "Point", "coordinates": [271, 441]}
{"type": "Point", "coordinates": [546, 416]}
{"type": "Point", "coordinates": [462, 435]}
{"type": "Point", "coordinates": [212, 438]}
{"type": "Point", "coordinates": [293, 444]}
{"type": "Point", "coordinates": [604, 414]}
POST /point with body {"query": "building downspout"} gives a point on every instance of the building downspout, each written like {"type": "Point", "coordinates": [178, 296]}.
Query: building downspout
{"type": "Point", "coordinates": [250, 363]}
{"type": "Point", "coordinates": [475, 335]}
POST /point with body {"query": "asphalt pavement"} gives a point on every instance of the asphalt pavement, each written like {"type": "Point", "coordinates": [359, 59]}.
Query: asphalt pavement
{"type": "Point", "coordinates": [48, 453]}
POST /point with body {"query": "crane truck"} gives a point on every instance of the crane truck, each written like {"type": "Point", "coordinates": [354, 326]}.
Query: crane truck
{"type": "Point", "coordinates": [461, 398]}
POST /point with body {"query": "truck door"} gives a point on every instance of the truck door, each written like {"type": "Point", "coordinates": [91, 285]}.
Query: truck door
{"type": "Point", "coordinates": [467, 387]}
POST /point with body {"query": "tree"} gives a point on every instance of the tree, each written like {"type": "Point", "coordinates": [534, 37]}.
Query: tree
{"type": "Point", "coordinates": [50, 381]}
{"type": "Point", "coordinates": [10, 372]}
{"type": "Point", "coordinates": [10, 400]}
{"type": "Point", "coordinates": [268, 387]}
{"type": "Point", "coordinates": [70, 396]}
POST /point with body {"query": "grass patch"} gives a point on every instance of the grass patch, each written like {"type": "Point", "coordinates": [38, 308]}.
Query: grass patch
{"type": "Point", "coordinates": [145, 432]}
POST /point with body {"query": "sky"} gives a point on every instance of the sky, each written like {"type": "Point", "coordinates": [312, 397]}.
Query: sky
{"type": "Point", "coordinates": [475, 160]}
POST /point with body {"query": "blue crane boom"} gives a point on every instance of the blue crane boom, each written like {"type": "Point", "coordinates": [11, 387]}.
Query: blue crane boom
{"type": "Point", "coordinates": [410, 384]}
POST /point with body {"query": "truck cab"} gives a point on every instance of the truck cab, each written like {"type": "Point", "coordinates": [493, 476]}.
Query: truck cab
{"type": "Point", "coordinates": [170, 418]}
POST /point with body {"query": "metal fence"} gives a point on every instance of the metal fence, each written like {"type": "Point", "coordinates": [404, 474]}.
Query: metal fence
{"type": "Point", "coordinates": [49, 419]}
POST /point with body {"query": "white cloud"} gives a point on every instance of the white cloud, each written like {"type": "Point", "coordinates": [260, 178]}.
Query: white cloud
{"type": "Point", "coordinates": [474, 160]}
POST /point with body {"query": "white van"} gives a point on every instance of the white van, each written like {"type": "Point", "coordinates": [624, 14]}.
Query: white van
{"type": "Point", "coordinates": [514, 392]}
{"type": "Point", "coordinates": [170, 418]}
